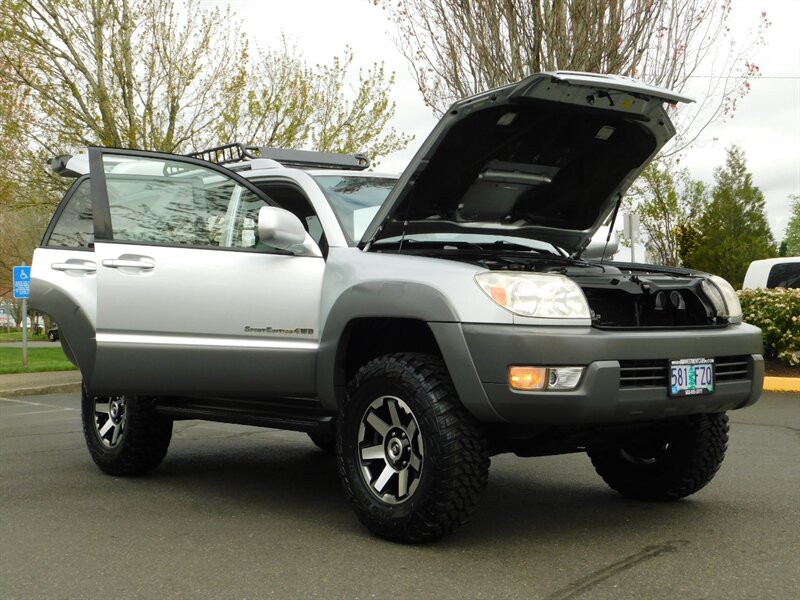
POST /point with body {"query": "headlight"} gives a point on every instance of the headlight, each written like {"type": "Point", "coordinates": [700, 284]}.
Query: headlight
{"type": "Point", "coordinates": [545, 295]}
{"type": "Point", "coordinates": [723, 297]}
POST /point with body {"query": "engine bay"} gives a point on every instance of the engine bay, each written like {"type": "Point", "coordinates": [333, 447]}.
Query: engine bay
{"type": "Point", "coordinates": [620, 295]}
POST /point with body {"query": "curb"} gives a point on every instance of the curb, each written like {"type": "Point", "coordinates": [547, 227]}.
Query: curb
{"type": "Point", "coordinates": [782, 384]}
{"type": "Point", "coordinates": [58, 388]}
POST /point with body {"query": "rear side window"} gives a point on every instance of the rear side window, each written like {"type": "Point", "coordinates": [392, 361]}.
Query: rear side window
{"type": "Point", "coordinates": [72, 226]}
{"type": "Point", "coordinates": [785, 275]}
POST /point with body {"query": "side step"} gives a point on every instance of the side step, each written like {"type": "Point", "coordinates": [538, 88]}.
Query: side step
{"type": "Point", "coordinates": [302, 415]}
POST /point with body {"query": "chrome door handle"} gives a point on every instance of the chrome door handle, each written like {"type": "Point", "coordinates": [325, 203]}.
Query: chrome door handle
{"type": "Point", "coordinates": [121, 263]}
{"type": "Point", "coordinates": [67, 266]}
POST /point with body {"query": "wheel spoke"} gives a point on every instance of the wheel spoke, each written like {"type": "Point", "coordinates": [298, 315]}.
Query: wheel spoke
{"type": "Point", "coordinates": [106, 427]}
{"type": "Point", "coordinates": [414, 461]}
{"type": "Point", "coordinates": [393, 413]}
{"type": "Point", "coordinates": [411, 429]}
{"type": "Point", "coordinates": [101, 409]}
{"type": "Point", "coordinates": [373, 452]}
{"type": "Point", "coordinates": [383, 479]}
{"type": "Point", "coordinates": [402, 483]}
{"type": "Point", "coordinates": [378, 424]}
{"type": "Point", "coordinates": [115, 435]}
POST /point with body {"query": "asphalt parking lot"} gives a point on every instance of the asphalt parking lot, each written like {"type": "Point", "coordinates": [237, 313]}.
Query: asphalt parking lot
{"type": "Point", "coordinates": [240, 512]}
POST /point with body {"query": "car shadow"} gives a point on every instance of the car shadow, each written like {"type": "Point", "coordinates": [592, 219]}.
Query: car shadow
{"type": "Point", "coordinates": [525, 497]}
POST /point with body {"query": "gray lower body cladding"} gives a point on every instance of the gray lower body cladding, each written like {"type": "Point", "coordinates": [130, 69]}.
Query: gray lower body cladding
{"type": "Point", "coordinates": [605, 393]}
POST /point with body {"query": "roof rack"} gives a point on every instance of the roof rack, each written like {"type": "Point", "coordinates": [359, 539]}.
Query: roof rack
{"type": "Point", "coordinates": [305, 159]}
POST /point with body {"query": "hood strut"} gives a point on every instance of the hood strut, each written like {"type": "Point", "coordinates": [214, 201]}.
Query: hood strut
{"type": "Point", "coordinates": [611, 225]}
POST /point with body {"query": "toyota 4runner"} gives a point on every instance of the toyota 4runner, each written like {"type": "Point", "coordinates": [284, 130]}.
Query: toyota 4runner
{"type": "Point", "coordinates": [415, 326]}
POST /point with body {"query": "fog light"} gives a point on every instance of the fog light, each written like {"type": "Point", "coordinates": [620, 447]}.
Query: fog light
{"type": "Point", "coordinates": [563, 378]}
{"type": "Point", "coordinates": [527, 378]}
{"type": "Point", "coordinates": [544, 378]}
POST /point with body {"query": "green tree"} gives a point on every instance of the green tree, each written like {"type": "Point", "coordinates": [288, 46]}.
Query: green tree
{"type": "Point", "coordinates": [171, 76]}
{"type": "Point", "coordinates": [668, 203]}
{"type": "Point", "coordinates": [284, 102]}
{"type": "Point", "coordinates": [733, 228]}
{"type": "Point", "coordinates": [457, 47]}
{"type": "Point", "coordinates": [126, 73]}
{"type": "Point", "coordinates": [791, 237]}
{"type": "Point", "coordinates": [23, 213]}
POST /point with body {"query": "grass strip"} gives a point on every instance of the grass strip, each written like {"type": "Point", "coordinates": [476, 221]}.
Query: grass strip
{"type": "Point", "coordinates": [16, 336]}
{"type": "Point", "coordinates": [39, 360]}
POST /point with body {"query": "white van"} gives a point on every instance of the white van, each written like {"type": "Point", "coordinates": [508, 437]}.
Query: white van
{"type": "Point", "coordinates": [773, 272]}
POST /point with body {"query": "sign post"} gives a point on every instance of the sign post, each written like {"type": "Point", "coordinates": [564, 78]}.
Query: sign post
{"type": "Point", "coordinates": [631, 228]}
{"type": "Point", "coordinates": [22, 291]}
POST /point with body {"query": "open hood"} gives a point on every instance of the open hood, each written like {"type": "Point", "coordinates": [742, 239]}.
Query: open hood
{"type": "Point", "coordinates": [547, 158]}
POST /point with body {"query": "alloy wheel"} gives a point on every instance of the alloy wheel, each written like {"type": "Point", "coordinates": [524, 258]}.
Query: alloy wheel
{"type": "Point", "coordinates": [110, 417]}
{"type": "Point", "coordinates": [390, 450]}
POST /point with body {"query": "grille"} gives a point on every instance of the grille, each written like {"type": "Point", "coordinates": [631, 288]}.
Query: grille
{"type": "Point", "coordinates": [653, 373]}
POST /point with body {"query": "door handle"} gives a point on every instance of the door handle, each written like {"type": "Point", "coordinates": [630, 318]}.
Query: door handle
{"type": "Point", "coordinates": [68, 266]}
{"type": "Point", "coordinates": [122, 263]}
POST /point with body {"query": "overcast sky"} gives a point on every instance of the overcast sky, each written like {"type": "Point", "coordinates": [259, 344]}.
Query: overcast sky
{"type": "Point", "coordinates": [766, 124]}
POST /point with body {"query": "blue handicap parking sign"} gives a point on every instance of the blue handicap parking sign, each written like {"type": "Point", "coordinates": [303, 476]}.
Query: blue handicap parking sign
{"type": "Point", "coordinates": [22, 282]}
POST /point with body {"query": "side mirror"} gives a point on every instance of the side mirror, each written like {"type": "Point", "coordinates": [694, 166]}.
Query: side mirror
{"type": "Point", "coordinates": [597, 247]}
{"type": "Point", "coordinates": [282, 229]}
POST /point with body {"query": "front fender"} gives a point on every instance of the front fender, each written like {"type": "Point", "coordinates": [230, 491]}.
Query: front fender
{"type": "Point", "coordinates": [394, 300]}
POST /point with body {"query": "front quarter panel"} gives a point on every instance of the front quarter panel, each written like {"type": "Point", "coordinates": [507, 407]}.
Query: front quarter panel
{"type": "Point", "coordinates": [438, 292]}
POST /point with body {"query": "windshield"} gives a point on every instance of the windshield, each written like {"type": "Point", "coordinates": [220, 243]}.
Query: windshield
{"type": "Point", "coordinates": [355, 199]}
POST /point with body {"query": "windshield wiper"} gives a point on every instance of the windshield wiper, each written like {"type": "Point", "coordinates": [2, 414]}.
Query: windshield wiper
{"type": "Point", "coordinates": [514, 246]}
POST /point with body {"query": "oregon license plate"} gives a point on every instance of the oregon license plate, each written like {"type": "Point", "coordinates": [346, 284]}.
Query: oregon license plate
{"type": "Point", "coordinates": [691, 376]}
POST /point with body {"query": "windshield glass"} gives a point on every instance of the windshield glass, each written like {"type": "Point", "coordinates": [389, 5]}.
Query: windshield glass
{"type": "Point", "coordinates": [355, 199]}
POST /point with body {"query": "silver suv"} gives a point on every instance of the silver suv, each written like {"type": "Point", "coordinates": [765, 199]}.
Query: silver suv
{"type": "Point", "coordinates": [415, 326]}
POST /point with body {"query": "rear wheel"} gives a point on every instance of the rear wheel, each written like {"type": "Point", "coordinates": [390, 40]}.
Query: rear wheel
{"type": "Point", "coordinates": [413, 461]}
{"type": "Point", "coordinates": [124, 434]}
{"type": "Point", "coordinates": [667, 463]}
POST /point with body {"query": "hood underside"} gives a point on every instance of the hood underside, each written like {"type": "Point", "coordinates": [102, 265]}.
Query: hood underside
{"type": "Point", "coordinates": [546, 159]}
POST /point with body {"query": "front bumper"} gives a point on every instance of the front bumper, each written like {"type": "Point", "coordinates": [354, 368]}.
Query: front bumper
{"type": "Point", "coordinates": [604, 394]}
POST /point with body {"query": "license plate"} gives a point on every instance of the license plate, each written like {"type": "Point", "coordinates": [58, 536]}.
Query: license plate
{"type": "Point", "coordinates": [691, 376]}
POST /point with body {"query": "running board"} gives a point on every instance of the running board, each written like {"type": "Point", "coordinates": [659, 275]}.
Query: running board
{"type": "Point", "coordinates": [278, 416]}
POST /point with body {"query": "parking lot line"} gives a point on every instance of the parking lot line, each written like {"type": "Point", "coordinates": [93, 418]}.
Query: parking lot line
{"type": "Point", "coordinates": [24, 403]}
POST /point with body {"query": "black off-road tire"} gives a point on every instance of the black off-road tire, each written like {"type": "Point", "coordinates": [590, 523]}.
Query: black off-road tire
{"type": "Point", "coordinates": [324, 441]}
{"type": "Point", "coordinates": [142, 435]}
{"type": "Point", "coordinates": [403, 415]}
{"type": "Point", "coordinates": [666, 463]}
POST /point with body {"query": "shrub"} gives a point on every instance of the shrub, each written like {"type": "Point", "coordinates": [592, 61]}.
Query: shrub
{"type": "Point", "coordinates": [777, 312]}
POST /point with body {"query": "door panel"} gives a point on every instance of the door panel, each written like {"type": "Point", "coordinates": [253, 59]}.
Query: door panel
{"type": "Point", "coordinates": [189, 302]}
{"type": "Point", "coordinates": [207, 322]}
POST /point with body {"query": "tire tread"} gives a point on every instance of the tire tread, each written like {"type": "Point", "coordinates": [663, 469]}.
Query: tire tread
{"type": "Point", "coordinates": [145, 443]}
{"type": "Point", "coordinates": [701, 444]}
{"type": "Point", "coordinates": [462, 464]}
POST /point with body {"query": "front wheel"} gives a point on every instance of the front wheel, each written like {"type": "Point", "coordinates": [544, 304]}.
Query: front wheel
{"type": "Point", "coordinates": [666, 463]}
{"type": "Point", "coordinates": [413, 461]}
{"type": "Point", "coordinates": [124, 434]}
